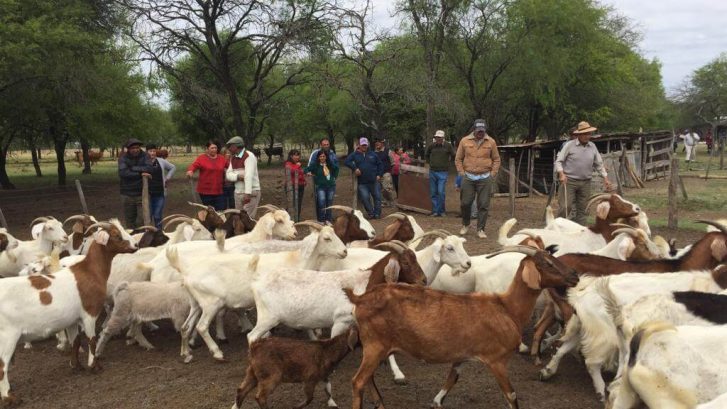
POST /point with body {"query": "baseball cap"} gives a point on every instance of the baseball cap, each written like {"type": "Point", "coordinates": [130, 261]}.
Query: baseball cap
{"type": "Point", "coordinates": [131, 142]}
{"type": "Point", "coordinates": [439, 134]}
{"type": "Point", "coordinates": [363, 141]}
{"type": "Point", "coordinates": [480, 125]}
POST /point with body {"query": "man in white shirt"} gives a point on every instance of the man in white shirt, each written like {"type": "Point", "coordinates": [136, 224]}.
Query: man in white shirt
{"type": "Point", "coordinates": [242, 169]}
{"type": "Point", "coordinates": [690, 144]}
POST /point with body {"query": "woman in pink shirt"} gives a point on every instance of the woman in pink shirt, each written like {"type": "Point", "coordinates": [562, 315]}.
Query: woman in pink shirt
{"type": "Point", "coordinates": [398, 157]}
{"type": "Point", "coordinates": [211, 167]}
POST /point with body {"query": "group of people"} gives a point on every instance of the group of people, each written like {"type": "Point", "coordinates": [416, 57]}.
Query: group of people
{"type": "Point", "coordinates": [232, 181]}
{"type": "Point", "coordinates": [224, 181]}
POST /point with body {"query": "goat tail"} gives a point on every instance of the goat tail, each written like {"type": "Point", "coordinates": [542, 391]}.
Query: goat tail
{"type": "Point", "coordinates": [123, 286]}
{"type": "Point", "coordinates": [220, 239]}
{"type": "Point", "coordinates": [642, 334]}
{"type": "Point", "coordinates": [505, 230]}
{"type": "Point", "coordinates": [609, 298]}
{"type": "Point", "coordinates": [549, 217]}
{"type": "Point", "coordinates": [355, 299]}
{"type": "Point", "coordinates": [173, 258]}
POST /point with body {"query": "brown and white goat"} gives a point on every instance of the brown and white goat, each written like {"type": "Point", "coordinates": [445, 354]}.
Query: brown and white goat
{"type": "Point", "coordinates": [275, 360]}
{"type": "Point", "coordinates": [37, 306]}
{"type": "Point", "coordinates": [351, 225]}
{"type": "Point", "coordinates": [484, 327]}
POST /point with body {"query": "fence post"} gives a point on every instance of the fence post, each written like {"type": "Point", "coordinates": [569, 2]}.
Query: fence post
{"type": "Point", "coordinates": [296, 213]}
{"type": "Point", "coordinates": [513, 187]}
{"type": "Point", "coordinates": [3, 222]}
{"type": "Point", "coordinates": [673, 221]}
{"type": "Point", "coordinates": [145, 210]}
{"type": "Point", "coordinates": [81, 197]}
{"type": "Point", "coordinates": [355, 191]}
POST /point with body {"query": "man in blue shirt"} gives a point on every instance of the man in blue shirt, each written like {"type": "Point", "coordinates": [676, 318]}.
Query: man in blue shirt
{"type": "Point", "coordinates": [368, 169]}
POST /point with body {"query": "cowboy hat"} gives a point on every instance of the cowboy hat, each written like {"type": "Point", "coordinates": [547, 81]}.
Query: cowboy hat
{"type": "Point", "coordinates": [584, 127]}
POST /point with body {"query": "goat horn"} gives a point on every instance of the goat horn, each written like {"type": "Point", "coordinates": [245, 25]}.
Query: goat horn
{"type": "Point", "coordinates": [103, 225]}
{"type": "Point", "coordinates": [341, 207]}
{"type": "Point", "coordinates": [719, 226]}
{"type": "Point", "coordinates": [390, 245]}
{"type": "Point", "coordinates": [148, 228]}
{"type": "Point", "coordinates": [602, 197]}
{"type": "Point", "coordinates": [445, 232]}
{"type": "Point", "coordinates": [42, 219]}
{"type": "Point", "coordinates": [269, 207]}
{"type": "Point", "coordinates": [228, 211]}
{"type": "Point", "coordinates": [313, 225]}
{"type": "Point", "coordinates": [530, 251]}
{"type": "Point", "coordinates": [199, 205]}
{"type": "Point", "coordinates": [623, 225]}
{"type": "Point", "coordinates": [631, 232]}
{"type": "Point", "coordinates": [434, 233]}
{"type": "Point", "coordinates": [397, 216]}
{"type": "Point", "coordinates": [185, 219]}
{"type": "Point", "coordinates": [172, 216]}
{"type": "Point", "coordinates": [75, 217]}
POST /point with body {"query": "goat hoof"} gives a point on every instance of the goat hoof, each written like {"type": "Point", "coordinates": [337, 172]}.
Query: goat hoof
{"type": "Point", "coordinates": [11, 400]}
{"type": "Point", "coordinates": [220, 360]}
{"type": "Point", "coordinates": [538, 361]}
{"type": "Point", "coordinates": [400, 381]}
{"type": "Point", "coordinates": [545, 374]}
{"type": "Point", "coordinates": [601, 398]}
{"type": "Point", "coordinates": [523, 349]}
{"type": "Point", "coordinates": [96, 367]}
{"type": "Point", "coordinates": [188, 359]}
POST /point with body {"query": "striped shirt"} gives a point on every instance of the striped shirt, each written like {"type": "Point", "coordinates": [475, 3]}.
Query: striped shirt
{"type": "Point", "coordinates": [578, 161]}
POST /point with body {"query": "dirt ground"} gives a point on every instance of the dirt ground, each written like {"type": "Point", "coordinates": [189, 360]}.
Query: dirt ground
{"type": "Point", "coordinates": [134, 378]}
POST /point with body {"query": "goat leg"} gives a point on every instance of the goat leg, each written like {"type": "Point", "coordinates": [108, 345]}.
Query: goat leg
{"type": "Point", "coordinates": [448, 384]}
{"type": "Point", "coordinates": [499, 369]}
{"type": "Point", "coordinates": [545, 321]}
{"type": "Point", "coordinates": [245, 387]}
{"type": "Point", "coordinates": [309, 388]}
{"type": "Point", "coordinates": [329, 394]}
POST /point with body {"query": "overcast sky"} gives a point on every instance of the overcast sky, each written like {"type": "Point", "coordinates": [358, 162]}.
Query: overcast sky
{"type": "Point", "coordinates": [683, 34]}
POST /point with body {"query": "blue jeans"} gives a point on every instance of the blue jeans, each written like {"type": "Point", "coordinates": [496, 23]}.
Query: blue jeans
{"type": "Point", "coordinates": [156, 203]}
{"type": "Point", "coordinates": [229, 192]}
{"type": "Point", "coordinates": [437, 183]}
{"type": "Point", "coordinates": [324, 198]}
{"type": "Point", "coordinates": [365, 192]}
{"type": "Point", "coordinates": [219, 202]}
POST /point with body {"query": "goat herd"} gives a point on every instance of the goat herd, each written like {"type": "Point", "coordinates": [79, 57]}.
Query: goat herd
{"type": "Point", "coordinates": [630, 303]}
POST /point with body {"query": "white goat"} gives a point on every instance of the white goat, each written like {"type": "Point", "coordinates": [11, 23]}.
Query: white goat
{"type": "Point", "coordinates": [140, 302]}
{"type": "Point", "coordinates": [49, 234]}
{"type": "Point", "coordinates": [593, 328]}
{"type": "Point", "coordinates": [225, 280]}
{"type": "Point", "coordinates": [673, 367]}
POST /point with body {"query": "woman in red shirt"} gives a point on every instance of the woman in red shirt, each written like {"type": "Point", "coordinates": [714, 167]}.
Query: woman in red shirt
{"type": "Point", "coordinates": [295, 169]}
{"type": "Point", "coordinates": [398, 157]}
{"type": "Point", "coordinates": [211, 167]}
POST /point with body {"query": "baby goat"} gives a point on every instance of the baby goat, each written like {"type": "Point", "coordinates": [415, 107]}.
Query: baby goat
{"type": "Point", "coordinates": [278, 360]}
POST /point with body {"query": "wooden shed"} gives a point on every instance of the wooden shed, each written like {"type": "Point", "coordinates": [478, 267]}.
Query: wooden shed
{"type": "Point", "coordinates": [637, 157]}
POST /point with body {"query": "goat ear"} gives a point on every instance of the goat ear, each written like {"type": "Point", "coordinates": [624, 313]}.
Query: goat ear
{"type": "Point", "coordinates": [268, 227]}
{"type": "Point", "coordinates": [625, 248]}
{"type": "Point", "coordinates": [352, 338]}
{"type": "Point", "coordinates": [391, 271]}
{"type": "Point", "coordinates": [719, 249]}
{"type": "Point", "coordinates": [101, 237]}
{"type": "Point", "coordinates": [531, 275]}
{"type": "Point", "coordinates": [278, 217]}
{"type": "Point", "coordinates": [201, 215]}
{"type": "Point", "coordinates": [603, 209]}
{"type": "Point", "coordinates": [77, 228]}
{"type": "Point", "coordinates": [437, 254]}
{"type": "Point", "coordinates": [187, 232]}
{"type": "Point", "coordinates": [36, 230]}
{"type": "Point", "coordinates": [391, 230]}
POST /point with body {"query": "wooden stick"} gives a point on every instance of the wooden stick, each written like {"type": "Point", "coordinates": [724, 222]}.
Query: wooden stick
{"type": "Point", "coordinates": [145, 209]}
{"type": "Point", "coordinates": [193, 192]}
{"type": "Point", "coordinates": [3, 222]}
{"type": "Point", "coordinates": [534, 190]}
{"type": "Point", "coordinates": [81, 197]}
{"type": "Point", "coordinates": [673, 221]}
{"type": "Point", "coordinates": [513, 187]}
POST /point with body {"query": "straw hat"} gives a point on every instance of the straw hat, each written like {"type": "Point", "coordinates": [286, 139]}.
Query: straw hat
{"type": "Point", "coordinates": [584, 127]}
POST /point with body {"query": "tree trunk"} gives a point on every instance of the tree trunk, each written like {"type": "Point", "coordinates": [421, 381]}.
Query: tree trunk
{"type": "Point", "coordinates": [60, 148]}
{"type": "Point", "coordinates": [270, 147]}
{"type": "Point", "coordinates": [39, 155]}
{"type": "Point", "coordinates": [86, 159]}
{"type": "Point", "coordinates": [189, 148]}
{"type": "Point", "coordinates": [4, 179]}
{"type": "Point", "coordinates": [34, 154]}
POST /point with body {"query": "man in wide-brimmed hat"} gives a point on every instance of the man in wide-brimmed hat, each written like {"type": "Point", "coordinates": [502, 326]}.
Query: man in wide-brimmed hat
{"type": "Point", "coordinates": [133, 165]}
{"type": "Point", "coordinates": [438, 155]}
{"type": "Point", "coordinates": [575, 164]}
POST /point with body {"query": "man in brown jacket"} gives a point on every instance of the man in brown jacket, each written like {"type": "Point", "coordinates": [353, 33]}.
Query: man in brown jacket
{"type": "Point", "coordinates": [478, 162]}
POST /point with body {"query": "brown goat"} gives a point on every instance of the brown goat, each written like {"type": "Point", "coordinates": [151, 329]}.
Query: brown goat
{"type": "Point", "coordinates": [348, 227]}
{"type": "Point", "coordinates": [401, 229]}
{"type": "Point", "coordinates": [275, 360]}
{"type": "Point", "coordinates": [237, 224]}
{"type": "Point", "coordinates": [459, 328]}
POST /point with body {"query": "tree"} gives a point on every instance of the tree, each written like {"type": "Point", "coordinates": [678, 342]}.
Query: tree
{"type": "Point", "coordinates": [210, 30]}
